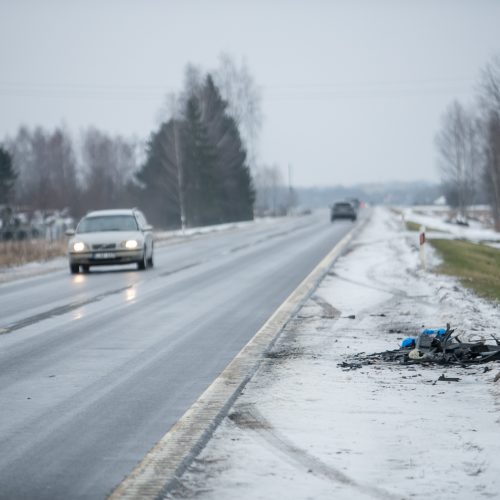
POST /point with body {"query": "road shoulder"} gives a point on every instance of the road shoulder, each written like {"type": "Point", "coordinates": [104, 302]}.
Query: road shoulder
{"type": "Point", "coordinates": [160, 470]}
{"type": "Point", "coordinates": [306, 426]}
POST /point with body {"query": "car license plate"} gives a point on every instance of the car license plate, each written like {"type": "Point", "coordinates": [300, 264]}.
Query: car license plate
{"type": "Point", "coordinates": [104, 255]}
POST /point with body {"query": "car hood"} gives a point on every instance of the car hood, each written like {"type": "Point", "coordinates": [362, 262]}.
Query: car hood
{"type": "Point", "coordinates": [102, 237]}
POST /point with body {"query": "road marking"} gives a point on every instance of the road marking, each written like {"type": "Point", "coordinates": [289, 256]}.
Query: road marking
{"type": "Point", "coordinates": [162, 467]}
{"type": "Point", "coordinates": [58, 311]}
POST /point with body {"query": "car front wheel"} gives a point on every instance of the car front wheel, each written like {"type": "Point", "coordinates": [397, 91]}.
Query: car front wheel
{"type": "Point", "coordinates": [74, 268]}
{"type": "Point", "coordinates": [143, 263]}
{"type": "Point", "coordinates": [150, 260]}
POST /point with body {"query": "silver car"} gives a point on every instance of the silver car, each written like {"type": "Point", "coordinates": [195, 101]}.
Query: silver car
{"type": "Point", "coordinates": [106, 237]}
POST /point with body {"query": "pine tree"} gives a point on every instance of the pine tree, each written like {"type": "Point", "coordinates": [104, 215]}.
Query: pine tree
{"type": "Point", "coordinates": [199, 169]}
{"type": "Point", "coordinates": [160, 176]}
{"type": "Point", "coordinates": [235, 191]}
{"type": "Point", "coordinates": [7, 176]}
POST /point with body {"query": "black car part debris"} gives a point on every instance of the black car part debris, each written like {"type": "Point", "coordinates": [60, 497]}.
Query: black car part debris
{"type": "Point", "coordinates": [431, 349]}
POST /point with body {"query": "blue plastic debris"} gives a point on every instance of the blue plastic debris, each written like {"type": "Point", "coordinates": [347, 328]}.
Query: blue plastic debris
{"type": "Point", "coordinates": [412, 341]}
{"type": "Point", "coordinates": [408, 342]}
{"type": "Point", "coordinates": [434, 331]}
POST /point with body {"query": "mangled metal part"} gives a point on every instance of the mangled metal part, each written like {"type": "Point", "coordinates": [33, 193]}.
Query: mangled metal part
{"type": "Point", "coordinates": [441, 349]}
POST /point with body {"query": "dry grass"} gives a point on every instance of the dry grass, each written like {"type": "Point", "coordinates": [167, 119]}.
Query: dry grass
{"type": "Point", "coordinates": [15, 253]}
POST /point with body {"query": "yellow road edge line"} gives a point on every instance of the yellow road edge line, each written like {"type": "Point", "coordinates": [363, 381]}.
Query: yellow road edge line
{"type": "Point", "coordinates": [162, 466]}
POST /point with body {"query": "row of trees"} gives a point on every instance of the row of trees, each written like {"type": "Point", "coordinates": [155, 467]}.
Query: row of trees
{"type": "Point", "coordinates": [52, 173]}
{"type": "Point", "coordinates": [469, 147]}
{"type": "Point", "coordinates": [195, 169]}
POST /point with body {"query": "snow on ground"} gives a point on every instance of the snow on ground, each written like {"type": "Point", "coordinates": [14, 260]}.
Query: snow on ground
{"type": "Point", "coordinates": [32, 269]}
{"type": "Point", "coordinates": [304, 428]}
{"type": "Point", "coordinates": [434, 218]}
{"type": "Point", "coordinates": [193, 231]}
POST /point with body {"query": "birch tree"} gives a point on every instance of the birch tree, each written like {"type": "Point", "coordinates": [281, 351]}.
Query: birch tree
{"type": "Point", "coordinates": [489, 97]}
{"type": "Point", "coordinates": [459, 158]}
{"type": "Point", "coordinates": [238, 88]}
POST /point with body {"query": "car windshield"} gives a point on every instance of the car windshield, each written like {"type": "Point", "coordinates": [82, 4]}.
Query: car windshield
{"type": "Point", "coordinates": [107, 223]}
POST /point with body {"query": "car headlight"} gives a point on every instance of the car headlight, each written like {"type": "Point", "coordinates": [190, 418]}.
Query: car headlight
{"type": "Point", "coordinates": [79, 246]}
{"type": "Point", "coordinates": [131, 244]}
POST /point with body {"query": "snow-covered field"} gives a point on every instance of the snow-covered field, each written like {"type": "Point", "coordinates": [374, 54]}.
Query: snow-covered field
{"type": "Point", "coordinates": [436, 219]}
{"type": "Point", "coordinates": [304, 428]}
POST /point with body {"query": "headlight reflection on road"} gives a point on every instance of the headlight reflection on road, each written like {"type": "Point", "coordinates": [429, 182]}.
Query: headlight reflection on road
{"type": "Point", "coordinates": [130, 294]}
{"type": "Point", "coordinates": [79, 278]}
{"type": "Point", "coordinates": [78, 314]}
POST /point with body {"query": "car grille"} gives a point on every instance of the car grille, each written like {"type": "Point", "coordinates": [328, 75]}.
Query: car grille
{"type": "Point", "coordinates": [104, 246]}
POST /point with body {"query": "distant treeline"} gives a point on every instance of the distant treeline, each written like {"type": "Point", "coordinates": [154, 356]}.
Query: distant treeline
{"type": "Point", "coordinates": [50, 172]}
{"type": "Point", "coordinates": [389, 193]}
{"type": "Point", "coordinates": [193, 170]}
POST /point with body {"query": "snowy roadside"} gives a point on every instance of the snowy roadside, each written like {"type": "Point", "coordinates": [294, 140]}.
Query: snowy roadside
{"type": "Point", "coordinates": [162, 238]}
{"type": "Point", "coordinates": [306, 428]}
{"type": "Point", "coordinates": [434, 219]}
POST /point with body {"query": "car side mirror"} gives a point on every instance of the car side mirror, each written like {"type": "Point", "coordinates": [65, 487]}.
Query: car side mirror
{"type": "Point", "coordinates": [70, 232]}
{"type": "Point", "coordinates": [148, 228]}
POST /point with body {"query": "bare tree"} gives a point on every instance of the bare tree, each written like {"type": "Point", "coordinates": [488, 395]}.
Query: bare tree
{"type": "Point", "coordinates": [489, 96]}
{"type": "Point", "coordinates": [62, 170]}
{"type": "Point", "coordinates": [270, 191]}
{"type": "Point", "coordinates": [99, 169]}
{"type": "Point", "coordinates": [458, 147]}
{"type": "Point", "coordinates": [47, 168]}
{"type": "Point", "coordinates": [109, 164]}
{"type": "Point", "coordinates": [239, 89]}
{"type": "Point", "coordinates": [21, 150]}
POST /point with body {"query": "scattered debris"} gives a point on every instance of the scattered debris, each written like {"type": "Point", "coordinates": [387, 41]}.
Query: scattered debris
{"type": "Point", "coordinates": [497, 377]}
{"type": "Point", "coordinates": [284, 353]}
{"type": "Point", "coordinates": [432, 346]}
{"type": "Point", "coordinates": [443, 378]}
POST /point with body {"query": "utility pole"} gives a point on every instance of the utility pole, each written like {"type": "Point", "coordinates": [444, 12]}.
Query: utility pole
{"type": "Point", "coordinates": [290, 189]}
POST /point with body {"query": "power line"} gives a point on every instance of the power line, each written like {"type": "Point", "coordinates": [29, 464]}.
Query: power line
{"type": "Point", "coordinates": [286, 92]}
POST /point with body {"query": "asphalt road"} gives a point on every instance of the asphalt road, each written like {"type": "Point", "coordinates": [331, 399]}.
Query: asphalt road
{"type": "Point", "coordinates": [95, 368]}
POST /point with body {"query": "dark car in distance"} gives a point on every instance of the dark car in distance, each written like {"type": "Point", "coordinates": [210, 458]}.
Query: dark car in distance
{"type": "Point", "coordinates": [343, 210]}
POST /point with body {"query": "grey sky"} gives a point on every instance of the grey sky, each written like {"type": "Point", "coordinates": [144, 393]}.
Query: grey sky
{"type": "Point", "coordinates": [352, 91]}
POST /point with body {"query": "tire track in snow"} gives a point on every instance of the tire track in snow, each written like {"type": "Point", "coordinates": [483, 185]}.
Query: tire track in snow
{"type": "Point", "coordinates": [252, 420]}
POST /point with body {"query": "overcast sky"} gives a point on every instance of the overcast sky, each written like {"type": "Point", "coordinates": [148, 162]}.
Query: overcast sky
{"type": "Point", "coordinates": [352, 91]}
